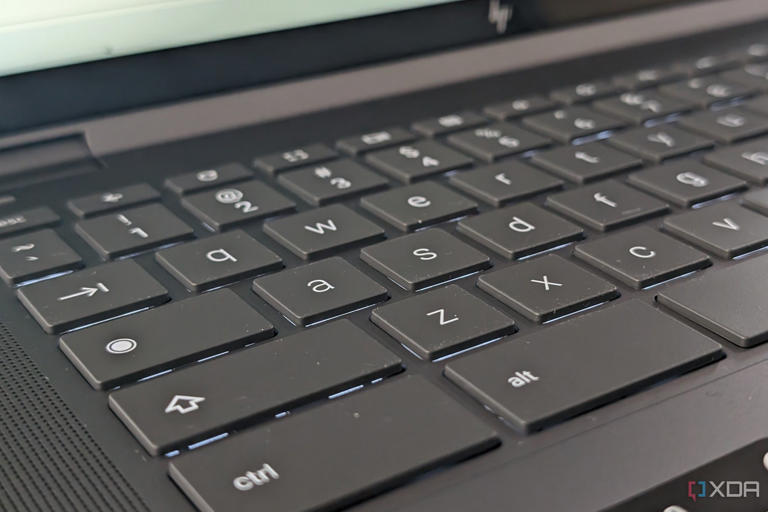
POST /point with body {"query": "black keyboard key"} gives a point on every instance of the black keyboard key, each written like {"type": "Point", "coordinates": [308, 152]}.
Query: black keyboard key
{"type": "Point", "coordinates": [547, 287]}
{"type": "Point", "coordinates": [333, 181]}
{"type": "Point", "coordinates": [639, 107]}
{"type": "Point", "coordinates": [706, 91]}
{"type": "Point", "coordinates": [707, 64]}
{"type": "Point", "coordinates": [306, 155]}
{"type": "Point", "coordinates": [726, 126]}
{"type": "Point", "coordinates": [489, 143]}
{"type": "Point", "coordinates": [729, 302]}
{"type": "Point", "coordinates": [647, 77]}
{"type": "Point", "coordinates": [758, 104]}
{"type": "Point", "coordinates": [34, 255]}
{"type": "Point", "coordinates": [319, 291]}
{"type": "Point", "coordinates": [756, 200]}
{"type": "Point", "coordinates": [449, 123]}
{"type": "Point", "coordinates": [191, 404]}
{"type": "Point", "coordinates": [418, 206]}
{"type": "Point", "coordinates": [131, 231]}
{"type": "Point", "coordinates": [237, 204]}
{"type": "Point", "coordinates": [520, 230]}
{"type": "Point", "coordinates": [26, 220]}
{"type": "Point", "coordinates": [585, 91]}
{"type": "Point", "coordinates": [504, 182]}
{"type": "Point", "coordinates": [91, 295]}
{"type": "Point", "coordinates": [659, 143]}
{"type": "Point", "coordinates": [641, 257]}
{"type": "Point", "coordinates": [436, 323]}
{"type": "Point", "coordinates": [748, 160]}
{"type": "Point", "coordinates": [751, 75]}
{"type": "Point", "coordinates": [374, 140]}
{"type": "Point", "coordinates": [606, 205]}
{"type": "Point", "coordinates": [686, 182]}
{"type": "Point", "coordinates": [422, 428]}
{"type": "Point", "coordinates": [417, 161]}
{"type": "Point", "coordinates": [547, 377]}
{"type": "Point", "coordinates": [129, 348]}
{"type": "Point", "coordinates": [725, 229]}
{"type": "Point", "coordinates": [519, 107]}
{"type": "Point", "coordinates": [585, 163]}
{"type": "Point", "coordinates": [572, 123]}
{"type": "Point", "coordinates": [207, 178]}
{"type": "Point", "coordinates": [323, 231]}
{"type": "Point", "coordinates": [218, 260]}
{"type": "Point", "coordinates": [423, 259]}
{"type": "Point", "coordinates": [756, 52]}
{"type": "Point", "coordinates": [112, 200]}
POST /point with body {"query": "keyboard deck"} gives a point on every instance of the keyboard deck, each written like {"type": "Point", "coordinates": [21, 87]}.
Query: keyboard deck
{"type": "Point", "coordinates": [401, 300]}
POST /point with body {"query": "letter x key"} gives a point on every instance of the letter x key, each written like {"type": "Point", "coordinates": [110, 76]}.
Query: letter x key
{"type": "Point", "coordinates": [546, 282]}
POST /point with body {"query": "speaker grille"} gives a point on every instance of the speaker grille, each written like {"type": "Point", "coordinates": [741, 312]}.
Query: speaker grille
{"type": "Point", "coordinates": [48, 461]}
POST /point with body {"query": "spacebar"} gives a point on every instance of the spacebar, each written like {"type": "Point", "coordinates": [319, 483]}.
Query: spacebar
{"type": "Point", "coordinates": [334, 455]}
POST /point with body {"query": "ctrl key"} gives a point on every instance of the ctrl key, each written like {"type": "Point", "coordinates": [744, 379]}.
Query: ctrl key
{"type": "Point", "coordinates": [335, 455]}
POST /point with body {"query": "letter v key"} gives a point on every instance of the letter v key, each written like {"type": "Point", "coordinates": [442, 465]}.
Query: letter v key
{"type": "Point", "coordinates": [726, 223]}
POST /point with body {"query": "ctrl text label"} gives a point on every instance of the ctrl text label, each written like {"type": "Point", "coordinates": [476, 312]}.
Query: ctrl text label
{"type": "Point", "coordinates": [256, 478]}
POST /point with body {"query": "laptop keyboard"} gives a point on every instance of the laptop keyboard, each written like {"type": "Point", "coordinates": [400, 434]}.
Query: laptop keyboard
{"type": "Point", "coordinates": [464, 196]}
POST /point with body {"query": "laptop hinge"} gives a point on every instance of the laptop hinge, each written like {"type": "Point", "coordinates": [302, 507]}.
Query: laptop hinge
{"type": "Point", "coordinates": [16, 161]}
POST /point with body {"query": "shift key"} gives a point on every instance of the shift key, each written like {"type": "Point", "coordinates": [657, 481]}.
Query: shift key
{"type": "Point", "coordinates": [335, 455]}
{"type": "Point", "coordinates": [192, 404]}
{"type": "Point", "coordinates": [581, 364]}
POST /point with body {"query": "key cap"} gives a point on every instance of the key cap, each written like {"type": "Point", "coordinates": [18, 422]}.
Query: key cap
{"type": "Point", "coordinates": [751, 75]}
{"type": "Point", "coordinates": [641, 257]}
{"type": "Point", "coordinates": [26, 220]}
{"type": "Point", "coordinates": [207, 178]}
{"type": "Point", "coordinates": [489, 143]}
{"type": "Point", "coordinates": [546, 288]}
{"type": "Point", "coordinates": [520, 230]}
{"type": "Point", "coordinates": [449, 123]}
{"type": "Point", "coordinates": [729, 302]}
{"type": "Point", "coordinates": [647, 77]}
{"type": "Point", "coordinates": [126, 349]}
{"type": "Point", "coordinates": [706, 91]}
{"type": "Point", "coordinates": [358, 144]}
{"type": "Point", "coordinates": [585, 163]}
{"type": "Point", "coordinates": [418, 206]}
{"type": "Point", "coordinates": [436, 323]}
{"type": "Point", "coordinates": [658, 143]}
{"type": "Point", "coordinates": [333, 181]}
{"type": "Point", "coordinates": [193, 403]}
{"type": "Point", "coordinates": [237, 204]}
{"type": "Point", "coordinates": [686, 182]}
{"type": "Point", "coordinates": [218, 260]}
{"type": "Point", "coordinates": [275, 163]}
{"type": "Point", "coordinates": [34, 255]}
{"type": "Point", "coordinates": [748, 160]}
{"type": "Point", "coordinates": [707, 64]}
{"type": "Point", "coordinates": [756, 200]}
{"type": "Point", "coordinates": [639, 107]}
{"type": "Point", "coordinates": [519, 107]}
{"type": "Point", "coordinates": [319, 291]}
{"type": "Point", "coordinates": [606, 205]}
{"type": "Point", "coordinates": [756, 52]}
{"type": "Point", "coordinates": [572, 123]}
{"type": "Point", "coordinates": [108, 201]}
{"type": "Point", "coordinates": [91, 295]}
{"type": "Point", "coordinates": [548, 377]}
{"type": "Point", "coordinates": [504, 182]}
{"type": "Point", "coordinates": [727, 126]}
{"type": "Point", "coordinates": [416, 161]}
{"type": "Point", "coordinates": [758, 104]}
{"type": "Point", "coordinates": [323, 231]}
{"type": "Point", "coordinates": [422, 428]}
{"type": "Point", "coordinates": [423, 259]}
{"type": "Point", "coordinates": [725, 229]}
{"type": "Point", "coordinates": [585, 91]}
{"type": "Point", "coordinates": [134, 230]}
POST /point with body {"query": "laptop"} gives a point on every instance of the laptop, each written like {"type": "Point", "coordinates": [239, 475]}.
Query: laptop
{"type": "Point", "coordinates": [384, 256]}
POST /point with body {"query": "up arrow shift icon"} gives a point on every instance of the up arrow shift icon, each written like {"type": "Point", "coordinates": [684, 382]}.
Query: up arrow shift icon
{"type": "Point", "coordinates": [184, 404]}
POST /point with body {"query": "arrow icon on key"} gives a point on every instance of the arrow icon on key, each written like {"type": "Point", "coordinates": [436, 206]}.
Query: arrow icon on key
{"type": "Point", "coordinates": [88, 291]}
